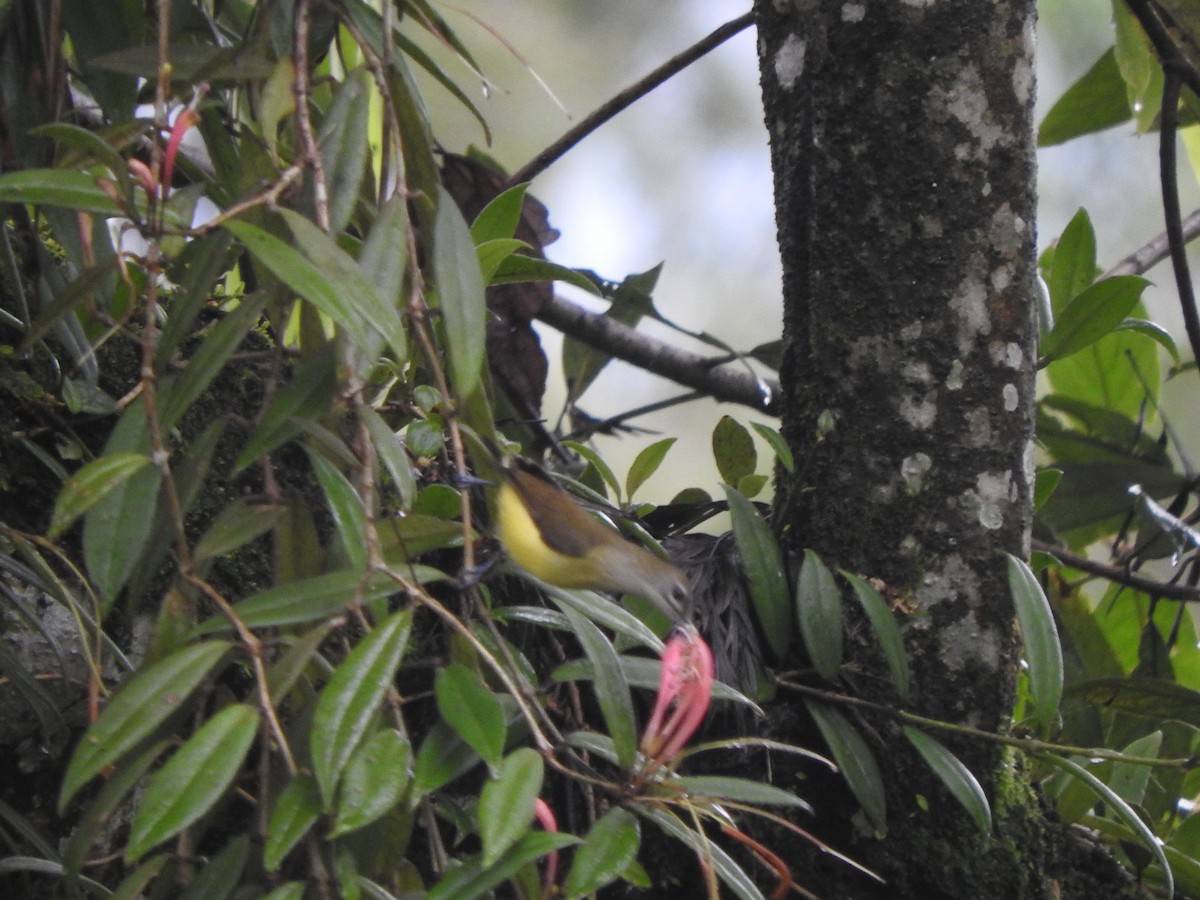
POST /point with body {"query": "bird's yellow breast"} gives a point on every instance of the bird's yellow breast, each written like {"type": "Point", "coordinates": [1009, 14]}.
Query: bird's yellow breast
{"type": "Point", "coordinates": [525, 546]}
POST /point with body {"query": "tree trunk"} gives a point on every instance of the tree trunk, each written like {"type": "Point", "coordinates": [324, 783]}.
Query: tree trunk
{"type": "Point", "coordinates": [902, 142]}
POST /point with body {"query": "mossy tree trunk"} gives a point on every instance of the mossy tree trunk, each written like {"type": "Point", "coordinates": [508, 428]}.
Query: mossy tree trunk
{"type": "Point", "coordinates": [902, 142]}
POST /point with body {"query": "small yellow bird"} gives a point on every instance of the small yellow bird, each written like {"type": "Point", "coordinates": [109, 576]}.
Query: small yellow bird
{"type": "Point", "coordinates": [550, 535]}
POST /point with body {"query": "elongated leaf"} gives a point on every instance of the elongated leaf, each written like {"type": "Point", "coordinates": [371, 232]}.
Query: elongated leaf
{"type": "Point", "coordinates": [743, 790]}
{"type": "Point", "coordinates": [346, 506]}
{"type": "Point", "coordinates": [645, 464]}
{"type": "Point", "coordinates": [472, 710]}
{"type": "Point", "coordinates": [57, 187]}
{"type": "Point", "coordinates": [296, 811]}
{"type": "Point", "coordinates": [886, 630]}
{"type": "Point", "coordinates": [782, 451]}
{"type": "Point", "coordinates": [733, 875]}
{"type": "Point", "coordinates": [344, 145]}
{"type": "Point", "coordinates": [237, 525]}
{"type": "Point", "coordinates": [1096, 312]}
{"type": "Point", "coordinates": [957, 778]}
{"type": "Point", "coordinates": [376, 777]}
{"type": "Point", "coordinates": [1130, 780]}
{"type": "Point", "coordinates": [141, 705]}
{"type": "Point", "coordinates": [91, 484]}
{"type": "Point", "coordinates": [1152, 698]}
{"type": "Point", "coordinates": [391, 452]}
{"type": "Point", "coordinates": [307, 395]}
{"type": "Point", "coordinates": [609, 849]}
{"type": "Point", "coordinates": [217, 879]}
{"type": "Point", "coordinates": [506, 802]}
{"type": "Point", "coordinates": [763, 566]}
{"type": "Point", "coordinates": [472, 879]}
{"type": "Point", "coordinates": [608, 614]}
{"type": "Point", "coordinates": [855, 759]}
{"type": "Point", "coordinates": [644, 673]}
{"type": "Point", "coordinates": [349, 702]}
{"type": "Point", "coordinates": [340, 274]}
{"type": "Point", "coordinates": [1093, 103]}
{"type": "Point", "coordinates": [819, 612]}
{"type": "Point", "coordinates": [194, 779]}
{"type": "Point", "coordinates": [443, 756]}
{"type": "Point", "coordinates": [1121, 810]}
{"type": "Point", "coordinates": [460, 296]}
{"type": "Point", "coordinates": [492, 254]}
{"type": "Point", "coordinates": [733, 450]}
{"type": "Point", "coordinates": [1043, 652]}
{"type": "Point", "coordinates": [312, 599]}
{"type": "Point", "coordinates": [517, 268]}
{"type": "Point", "coordinates": [500, 217]}
{"type": "Point", "coordinates": [612, 690]}
{"type": "Point", "coordinates": [1073, 267]}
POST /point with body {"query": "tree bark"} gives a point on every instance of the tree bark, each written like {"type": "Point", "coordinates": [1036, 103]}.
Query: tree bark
{"type": "Point", "coordinates": [902, 142]}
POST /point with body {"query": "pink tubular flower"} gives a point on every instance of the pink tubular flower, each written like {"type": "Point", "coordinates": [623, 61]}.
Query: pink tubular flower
{"type": "Point", "coordinates": [684, 692]}
{"type": "Point", "coordinates": [186, 119]}
{"type": "Point", "coordinates": [545, 817]}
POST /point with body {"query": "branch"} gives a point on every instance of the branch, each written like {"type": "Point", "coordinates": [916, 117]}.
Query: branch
{"type": "Point", "coordinates": [1155, 250]}
{"type": "Point", "coordinates": [720, 382]}
{"type": "Point", "coordinates": [1119, 574]}
{"type": "Point", "coordinates": [627, 98]}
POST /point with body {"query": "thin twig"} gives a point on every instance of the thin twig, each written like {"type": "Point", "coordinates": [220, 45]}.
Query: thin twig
{"type": "Point", "coordinates": [1155, 250]}
{"type": "Point", "coordinates": [628, 97]}
{"type": "Point", "coordinates": [1120, 575]}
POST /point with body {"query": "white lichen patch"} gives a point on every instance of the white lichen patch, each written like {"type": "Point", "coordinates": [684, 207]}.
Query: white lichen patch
{"type": "Point", "coordinates": [992, 494]}
{"type": "Point", "coordinates": [913, 470]}
{"type": "Point", "coordinates": [954, 381]}
{"type": "Point", "coordinates": [931, 226]}
{"type": "Point", "coordinates": [919, 412]}
{"type": "Point", "coordinates": [1023, 72]}
{"type": "Point", "coordinates": [918, 3]}
{"type": "Point", "coordinates": [969, 305]}
{"type": "Point", "coordinates": [916, 372]}
{"type": "Point", "coordinates": [1011, 397]}
{"type": "Point", "coordinates": [965, 643]}
{"type": "Point", "coordinates": [966, 101]}
{"type": "Point", "coordinates": [955, 581]}
{"type": "Point", "coordinates": [789, 61]}
{"type": "Point", "coordinates": [1007, 232]}
{"type": "Point", "coordinates": [1007, 354]}
{"type": "Point", "coordinates": [912, 331]}
{"type": "Point", "coordinates": [853, 12]}
{"type": "Point", "coordinates": [1001, 278]}
{"type": "Point", "coordinates": [1029, 463]}
{"type": "Point", "coordinates": [979, 427]}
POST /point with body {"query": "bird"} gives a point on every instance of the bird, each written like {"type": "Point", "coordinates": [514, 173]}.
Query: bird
{"type": "Point", "coordinates": [549, 534]}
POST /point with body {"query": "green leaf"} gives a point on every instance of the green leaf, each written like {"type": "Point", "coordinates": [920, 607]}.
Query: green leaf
{"type": "Point", "coordinates": [741, 790]}
{"type": "Point", "coordinates": [316, 598]}
{"type": "Point", "coordinates": [390, 450]}
{"type": "Point", "coordinates": [1156, 699]}
{"type": "Point", "coordinates": [612, 690]}
{"type": "Point", "coordinates": [1138, 64]}
{"type": "Point", "coordinates": [347, 705]}
{"type": "Point", "coordinates": [442, 758]}
{"type": "Point", "coordinates": [1122, 810]}
{"type": "Point", "coordinates": [492, 254]}
{"type": "Point", "coordinates": [210, 359]}
{"type": "Point", "coordinates": [855, 760]}
{"type": "Point", "coordinates": [1094, 313]}
{"type": "Point", "coordinates": [883, 623]}
{"type": "Point", "coordinates": [733, 449]}
{"type": "Point", "coordinates": [1044, 484]}
{"type": "Point", "coordinates": [297, 809]}
{"type": "Point", "coordinates": [127, 510]}
{"type": "Point", "coordinates": [472, 879]}
{"type": "Point", "coordinates": [346, 507]}
{"type": "Point", "coordinates": [1154, 332]}
{"type": "Point", "coordinates": [1073, 268]}
{"type": "Point", "coordinates": [519, 268]}
{"type": "Point", "coordinates": [782, 451]}
{"type": "Point", "coordinates": [344, 145]}
{"type": "Point", "coordinates": [292, 890]}
{"type": "Point", "coordinates": [609, 849]}
{"type": "Point", "coordinates": [1129, 781]}
{"type": "Point", "coordinates": [819, 612]}
{"type": "Point", "coordinates": [307, 395]}
{"type": "Point", "coordinates": [194, 779]}
{"type": "Point", "coordinates": [608, 614]}
{"type": "Point", "coordinates": [467, 706]}
{"type": "Point", "coordinates": [957, 778]}
{"type": "Point", "coordinates": [499, 219]}
{"type": "Point", "coordinates": [506, 802]}
{"type": "Point", "coordinates": [460, 296]}
{"type": "Point", "coordinates": [733, 875]}
{"type": "Point", "coordinates": [645, 464]}
{"type": "Point", "coordinates": [218, 878]}
{"type": "Point", "coordinates": [142, 704]}
{"type": "Point", "coordinates": [384, 256]}
{"type": "Point", "coordinates": [763, 566]}
{"type": "Point", "coordinates": [91, 484]}
{"type": "Point", "coordinates": [1093, 103]}
{"type": "Point", "coordinates": [237, 525]}
{"type": "Point", "coordinates": [57, 187]}
{"type": "Point", "coordinates": [1042, 650]}
{"type": "Point", "coordinates": [376, 778]}
{"type": "Point", "coordinates": [597, 461]}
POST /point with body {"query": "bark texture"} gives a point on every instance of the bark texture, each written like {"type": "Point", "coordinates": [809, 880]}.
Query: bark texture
{"type": "Point", "coordinates": [902, 143]}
